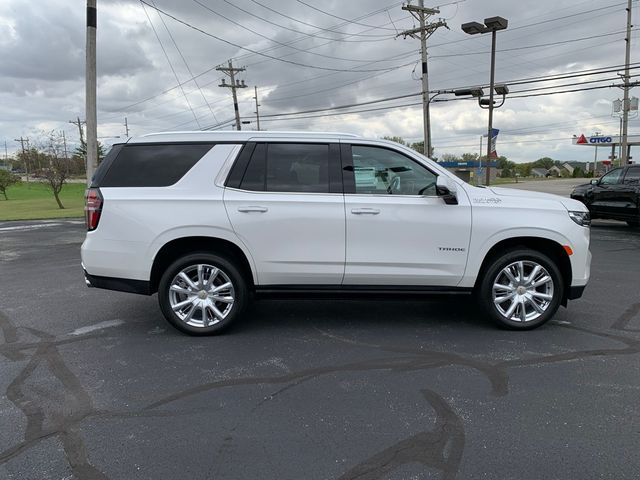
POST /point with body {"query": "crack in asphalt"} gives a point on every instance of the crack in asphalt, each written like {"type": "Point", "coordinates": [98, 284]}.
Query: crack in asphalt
{"type": "Point", "coordinates": [62, 425]}
{"type": "Point", "coordinates": [440, 448]}
{"type": "Point", "coordinates": [623, 321]}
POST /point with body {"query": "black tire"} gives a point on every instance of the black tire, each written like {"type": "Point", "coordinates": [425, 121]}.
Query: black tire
{"type": "Point", "coordinates": [492, 274]}
{"type": "Point", "coordinates": [240, 293]}
{"type": "Point", "coordinates": [634, 223]}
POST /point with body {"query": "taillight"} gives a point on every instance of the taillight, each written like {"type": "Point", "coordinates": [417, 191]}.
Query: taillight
{"type": "Point", "coordinates": [93, 208]}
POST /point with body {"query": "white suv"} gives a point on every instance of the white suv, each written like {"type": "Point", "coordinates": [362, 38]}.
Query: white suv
{"type": "Point", "coordinates": [207, 219]}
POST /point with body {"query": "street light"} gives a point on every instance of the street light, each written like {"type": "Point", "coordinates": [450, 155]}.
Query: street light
{"type": "Point", "coordinates": [491, 24]}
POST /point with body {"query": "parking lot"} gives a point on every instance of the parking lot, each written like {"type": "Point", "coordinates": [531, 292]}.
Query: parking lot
{"type": "Point", "coordinates": [96, 385]}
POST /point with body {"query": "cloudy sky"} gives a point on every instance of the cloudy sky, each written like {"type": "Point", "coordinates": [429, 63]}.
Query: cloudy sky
{"type": "Point", "coordinates": [309, 55]}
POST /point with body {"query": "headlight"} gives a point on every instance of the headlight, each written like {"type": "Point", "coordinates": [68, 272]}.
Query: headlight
{"type": "Point", "coordinates": [581, 218]}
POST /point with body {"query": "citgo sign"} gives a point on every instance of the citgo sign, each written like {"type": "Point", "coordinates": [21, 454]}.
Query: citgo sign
{"type": "Point", "coordinates": [600, 139]}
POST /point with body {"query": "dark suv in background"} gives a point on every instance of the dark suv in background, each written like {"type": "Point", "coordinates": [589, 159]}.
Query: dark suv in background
{"type": "Point", "coordinates": [615, 195]}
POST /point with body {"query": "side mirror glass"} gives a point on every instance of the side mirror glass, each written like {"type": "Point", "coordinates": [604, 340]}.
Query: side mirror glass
{"type": "Point", "coordinates": [594, 181]}
{"type": "Point", "coordinates": [447, 190]}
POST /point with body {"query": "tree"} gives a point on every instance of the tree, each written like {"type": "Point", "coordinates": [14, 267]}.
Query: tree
{"type": "Point", "coordinates": [81, 151]}
{"type": "Point", "coordinates": [418, 146]}
{"type": "Point", "coordinates": [450, 157]}
{"type": "Point", "coordinates": [6, 180]}
{"type": "Point", "coordinates": [469, 157]}
{"type": "Point", "coordinates": [504, 164]}
{"type": "Point", "coordinates": [544, 162]}
{"type": "Point", "coordinates": [56, 173]}
{"type": "Point", "coordinates": [399, 140]}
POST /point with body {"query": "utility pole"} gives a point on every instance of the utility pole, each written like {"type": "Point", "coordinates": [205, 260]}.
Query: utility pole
{"type": "Point", "coordinates": [624, 154]}
{"type": "Point", "coordinates": [90, 87]}
{"type": "Point", "coordinates": [595, 157]}
{"type": "Point", "coordinates": [6, 155]}
{"type": "Point", "coordinates": [257, 112]}
{"type": "Point", "coordinates": [24, 155]}
{"type": "Point", "coordinates": [234, 85]}
{"type": "Point", "coordinates": [478, 180]}
{"type": "Point", "coordinates": [423, 32]}
{"type": "Point", "coordinates": [79, 124]}
{"type": "Point", "coordinates": [66, 154]}
{"type": "Point", "coordinates": [126, 127]}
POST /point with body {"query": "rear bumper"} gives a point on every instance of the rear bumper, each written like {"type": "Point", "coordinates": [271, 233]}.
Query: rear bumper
{"type": "Point", "coordinates": [140, 287]}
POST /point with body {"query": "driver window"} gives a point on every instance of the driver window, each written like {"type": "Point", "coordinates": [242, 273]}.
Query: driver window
{"type": "Point", "coordinates": [383, 171]}
{"type": "Point", "coordinates": [611, 178]}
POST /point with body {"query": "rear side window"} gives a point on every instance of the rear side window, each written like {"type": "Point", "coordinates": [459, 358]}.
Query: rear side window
{"type": "Point", "coordinates": [288, 167]}
{"type": "Point", "coordinates": [633, 176]}
{"type": "Point", "coordinates": [157, 165]}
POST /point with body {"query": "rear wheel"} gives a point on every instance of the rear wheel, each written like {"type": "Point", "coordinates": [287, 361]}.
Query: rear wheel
{"type": "Point", "coordinates": [201, 294]}
{"type": "Point", "coordinates": [522, 289]}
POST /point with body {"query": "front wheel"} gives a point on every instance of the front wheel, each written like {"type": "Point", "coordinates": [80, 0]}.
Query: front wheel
{"type": "Point", "coordinates": [201, 294]}
{"type": "Point", "coordinates": [521, 290]}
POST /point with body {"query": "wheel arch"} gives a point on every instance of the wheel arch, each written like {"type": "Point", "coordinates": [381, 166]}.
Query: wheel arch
{"type": "Point", "coordinates": [179, 247]}
{"type": "Point", "coordinates": [549, 247]}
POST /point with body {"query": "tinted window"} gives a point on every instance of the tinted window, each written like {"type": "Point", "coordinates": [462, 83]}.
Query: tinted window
{"type": "Point", "coordinates": [254, 175]}
{"type": "Point", "coordinates": [612, 177]}
{"type": "Point", "coordinates": [288, 167]}
{"type": "Point", "coordinates": [104, 165]}
{"type": "Point", "coordinates": [152, 165]}
{"type": "Point", "coordinates": [383, 171]}
{"type": "Point", "coordinates": [632, 176]}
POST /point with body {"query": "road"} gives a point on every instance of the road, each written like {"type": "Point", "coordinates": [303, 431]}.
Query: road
{"type": "Point", "coordinates": [558, 186]}
{"type": "Point", "coordinates": [97, 386]}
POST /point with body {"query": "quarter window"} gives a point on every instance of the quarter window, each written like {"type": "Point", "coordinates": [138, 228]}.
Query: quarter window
{"type": "Point", "coordinates": [157, 165]}
{"type": "Point", "coordinates": [383, 171]}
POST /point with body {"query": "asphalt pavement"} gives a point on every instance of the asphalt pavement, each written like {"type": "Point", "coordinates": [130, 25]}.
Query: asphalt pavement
{"type": "Point", "coordinates": [96, 385]}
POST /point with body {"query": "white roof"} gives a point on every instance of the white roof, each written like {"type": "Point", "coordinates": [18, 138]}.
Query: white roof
{"type": "Point", "coordinates": [241, 136]}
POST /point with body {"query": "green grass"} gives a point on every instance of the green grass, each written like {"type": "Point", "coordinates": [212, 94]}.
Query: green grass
{"type": "Point", "coordinates": [34, 201]}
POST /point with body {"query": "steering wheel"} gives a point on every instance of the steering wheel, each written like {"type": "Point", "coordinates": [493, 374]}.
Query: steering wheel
{"type": "Point", "coordinates": [394, 185]}
{"type": "Point", "coordinates": [423, 189]}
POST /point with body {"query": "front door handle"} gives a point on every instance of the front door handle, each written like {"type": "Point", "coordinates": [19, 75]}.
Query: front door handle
{"type": "Point", "coordinates": [365, 211]}
{"type": "Point", "coordinates": [253, 209]}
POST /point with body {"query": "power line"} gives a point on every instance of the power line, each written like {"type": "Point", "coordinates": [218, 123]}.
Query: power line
{"type": "Point", "coordinates": [269, 117]}
{"type": "Point", "coordinates": [168, 59]}
{"type": "Point", "coordinates": [271, 39]}
{"type": "Point", "coordinates": [184, 60]}
{"type": "Point", "coordinates": [387, 36]}
{"type": "Point", "coordinates": [561, 42]}
{"type": "Point", "coordinates": [341, 18]}
{"type": "Point", "coordinates": [317, 67]}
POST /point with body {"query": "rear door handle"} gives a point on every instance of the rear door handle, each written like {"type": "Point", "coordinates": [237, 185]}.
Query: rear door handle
{"type": "Point", "coordinates": [253, 209]}
{"type": "Point", "coordinates": [365, 211]}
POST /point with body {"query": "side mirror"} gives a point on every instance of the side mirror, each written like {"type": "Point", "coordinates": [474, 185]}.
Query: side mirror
{"type": "Point", "coordinates": [447, 190]}
{"type": "Point", "coordinates": [594, 181]}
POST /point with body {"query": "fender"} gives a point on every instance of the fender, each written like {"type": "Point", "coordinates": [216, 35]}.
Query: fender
{"type": "Point", "coordinates": [199, 231]}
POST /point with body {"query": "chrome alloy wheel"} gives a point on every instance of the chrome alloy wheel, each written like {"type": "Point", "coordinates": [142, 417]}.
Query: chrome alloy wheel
{"type": "Point", "coordinates": [201, 295]}
{"type": "Point", "coordinates": [523, 291]}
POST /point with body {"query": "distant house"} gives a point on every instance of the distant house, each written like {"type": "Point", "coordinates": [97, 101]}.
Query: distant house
{"type": "Point", "coordinates": [559, 171]}
{"type": "Point", "coordinates": [567, 166]}
{"type": "Point", "coordinates": [539, 172]}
